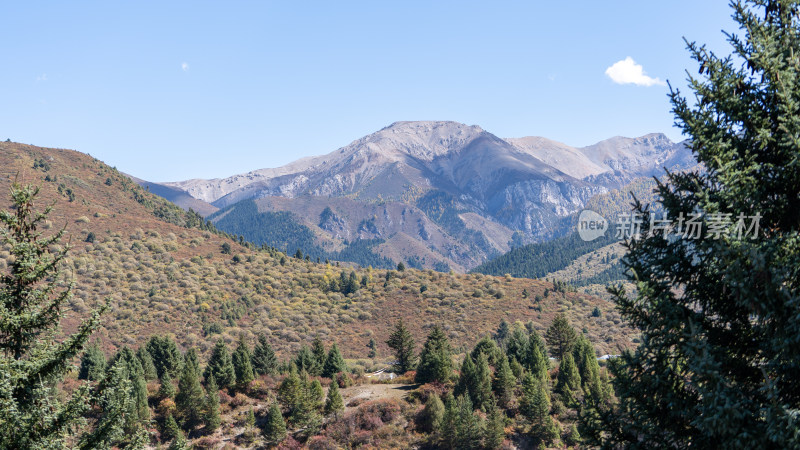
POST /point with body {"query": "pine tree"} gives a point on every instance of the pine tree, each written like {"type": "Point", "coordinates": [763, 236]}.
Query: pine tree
{"type": "Point", "coordinates": [516, 368]}
{"type": "Point", "coordinates": [31, 360]}
{"type": "Point", "coordinates": [117, 416]}
{"type": "Point", "coordinates": [93, 364]}
{"type": "Point", "coordinates": [264, 360]}
{"type": "Point", "coordinates": [296, 396]}
{"type": "Point", "coordinates": [502, 333]}
{"type": "Point", "coordinates": [306, 361]}
{"type": "Point", "coordinates": [589, 370]}
{"type": "Point", "coordinates": [170, 429]}
{"type": "Point", "coordinates": [517, 343]}
{"type": "Point", "coordinates": [167, 388]}
{"type": "Point", "coordinates": [179, 443]}
{"type": "Point", "coordinates": [561, 336]}
{"type": "Point", "coordinates": [146, 360]}
{"type": "Point", "coordinates": [488, 347]}
{"type": "Point", "coordinates": [131, 370]}
{"type": "Point", "coordinates": [220, 365]}
{"type": "Point", "coordinates": [462, 429]}
{"type": "Point", "coordinates": [449, 427]}
{"type": "Point", "coordinates": [495, 432]}
{"type": "Point", "coordinates": [435, 359]}
{"type": "Point", "coordinates": [504, 383]}
{"type": "Point", "coordinates": [533, 334]}
{"type": "Point", "coordinates": [569, 381]}
{"type": "Point", "coordinates": [334, 404]}
{"type": "Point", "coordinates": [290, 391]}
{"type": "Point", "coordinates": [316, 394]}
{"type": "Point", "coordinates": [717, 311]}
{"type": "Point", "coordinates": [573, 437]}
{"type": "Point", "coordinates": [373, 348]}
{"type": "Point", "coordinates": [481, 394]}
{"type": "Point", "coordinates": [250, 418]}
{"type": "Point", "coordinates": [334, 363]}
{"type": "Point", "coordinates": [320, 355]}
{"type": "Point", "coordinates": [275, 427]}
{"type": "Point", "coordinates": [433, 414]}
{"type": "Point", "coordinates": [536, 362]}
{"type": "Point", "coordinates": [211, 411]}
{"type": "Point", "coordinates": [467, 377]}
{"type": "Point", "coordinates": [166, 356]}
{"type": "Point", "coordinates": [241, 363]}
{"type": "Point", "coordinates": [190, 359]}
{"type": "Point", "coordinates": [189, 399]}
{"type": "Point", "coordinates": [548, 431]}
{"type": "Point", "coordinates": [535, 400]}
{"type": "Point", "coordinates": [403, 345]}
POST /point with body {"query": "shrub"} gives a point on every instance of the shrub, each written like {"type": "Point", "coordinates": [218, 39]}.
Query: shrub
{"type": "Point", "coordinates": [237, 401]}
{"type": "Point", "coordinates": [343, 380]}
{"type": "Point", "coordinates": [322, 443]}
{"type": "Point", "coordinates": [166, 406]}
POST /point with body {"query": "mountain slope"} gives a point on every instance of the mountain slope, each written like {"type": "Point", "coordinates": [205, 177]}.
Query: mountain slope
{"type": "Point", "coordinates": [177, 196]}
{"type": "Point", "coordinates": [164, 275]}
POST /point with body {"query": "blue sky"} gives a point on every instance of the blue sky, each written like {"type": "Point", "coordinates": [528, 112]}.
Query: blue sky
{"type": "Point", "coordinates": [175, 90]}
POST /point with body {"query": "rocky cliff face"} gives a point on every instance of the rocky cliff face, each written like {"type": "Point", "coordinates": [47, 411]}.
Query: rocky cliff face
{"type": "Point", "coordinates": [445, 170]}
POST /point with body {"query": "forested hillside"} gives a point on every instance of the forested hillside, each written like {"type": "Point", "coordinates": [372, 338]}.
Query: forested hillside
{"type": "Point", "coordinates": [134, 247]}
{"type": "Point", "coordinates": [284, 231]}
{"type": "Point", "coordinates": [538, 260]}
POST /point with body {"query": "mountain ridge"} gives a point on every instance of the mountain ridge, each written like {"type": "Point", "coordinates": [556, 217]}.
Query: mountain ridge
{"type": "Point", "coordinates": [528, 187]}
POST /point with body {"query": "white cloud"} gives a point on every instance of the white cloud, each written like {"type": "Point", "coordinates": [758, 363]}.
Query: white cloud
{"type": "Point", "coordinates": [42, 77]}
{"type": "Point", "coordinates": [627, 71]}
{"type": "Point", "coordinates": [185, 66]}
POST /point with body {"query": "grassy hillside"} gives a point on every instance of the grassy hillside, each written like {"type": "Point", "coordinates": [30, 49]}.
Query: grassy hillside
{"type": "Point", "coordinates": [163, 277]}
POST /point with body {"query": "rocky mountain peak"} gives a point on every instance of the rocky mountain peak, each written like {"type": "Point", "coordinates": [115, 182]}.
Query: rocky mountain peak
{"type": "Point", "coordinates": [423, 140]}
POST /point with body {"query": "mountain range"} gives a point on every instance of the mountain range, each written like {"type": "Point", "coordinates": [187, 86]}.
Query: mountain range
{"type": "Point", "coordinates": [432, 194]}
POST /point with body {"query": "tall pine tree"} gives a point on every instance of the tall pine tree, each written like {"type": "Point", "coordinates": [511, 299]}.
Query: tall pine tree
{"type": "Point", "coordinates": [241, 363]}
{"type": "Point", "coordinates": [274, 430]}
{"type": "Point", "coordinates": [166, 356]}
{"type": "Point", "coordinates": [717, 310]}
{"type": "Point", "coordinates": [189, 399]}
{"type": "Point", "coordinates": [264, 360]}
{"type": "Point", "coordinates": [435, 359]}
{"type": "Point", "coordinates": [503, 383]}
{"type": "Point", "coordinates": [93, 364]}
{"type": "Point", "coordinates": [306, 361]}
{"type": "Point", "coordinates": [32, 295]}
{"type": "Point", "coordinates": [146, 360]}
{"type": "Point", "coordinates": [318, 349]}
{"type": "Point", "coordinates": [334, 404]}
{"type": "Point", "coordinates": [561, 336]}
{"type": "Point", "coordinates": [211, 411]}
{"type": "Point", "coordinates": [220, 365]}
{"type": "Point", "coordinates": [334, 363]}
{"type": "Point", "coordinates": [403, 345]}
{"type": "Point", "coordinates": [131, 369]}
